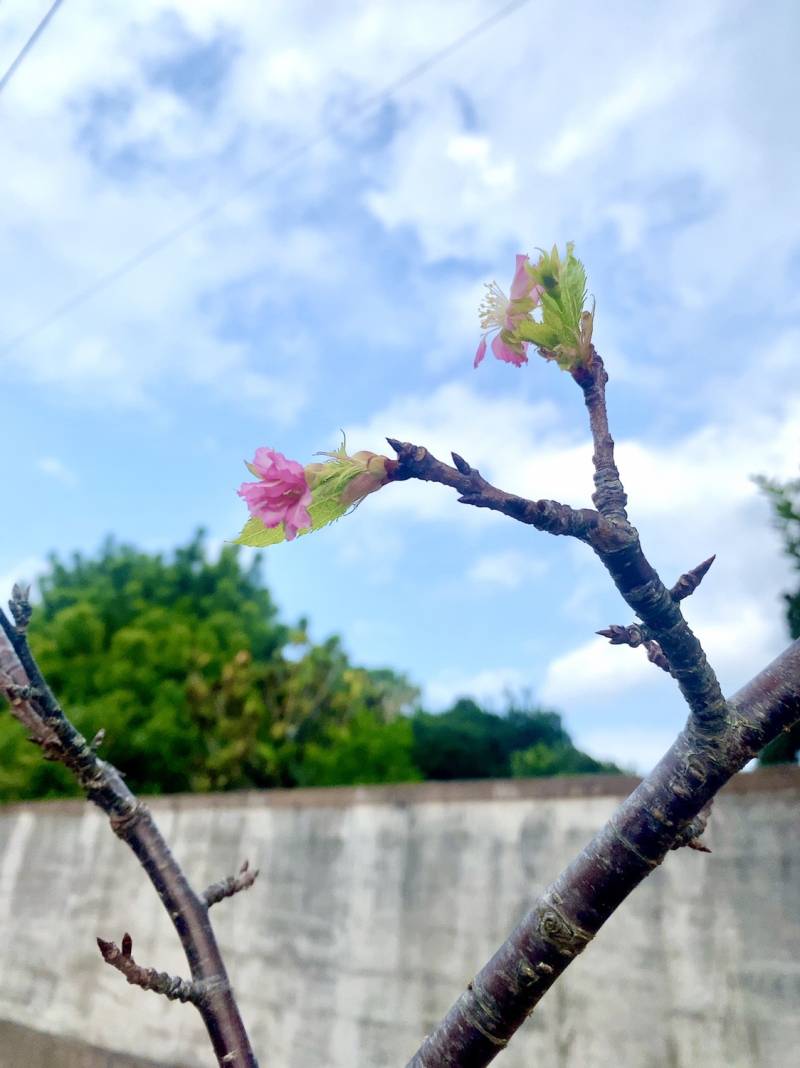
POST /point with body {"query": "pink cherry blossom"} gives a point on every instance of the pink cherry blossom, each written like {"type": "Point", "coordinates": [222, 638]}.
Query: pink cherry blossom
{"type": "Point", "coordinates": [503, 314]}
{"type": "Point", "coordinates": [281, 495]}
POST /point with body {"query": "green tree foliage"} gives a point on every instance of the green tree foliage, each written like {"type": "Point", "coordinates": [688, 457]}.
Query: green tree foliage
{"type": "Point", "coordinates": [197, 683]}
{"type": "Point", "coordinates": [785, 499]}
{"type": "Point", "coordinates": [467, 742]}
{"type": "Point", "coordinates": [199, 686]}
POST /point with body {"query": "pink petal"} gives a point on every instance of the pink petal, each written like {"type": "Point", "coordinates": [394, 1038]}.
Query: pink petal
{"type": "Point", "coordinates": [281, 496]}
{"type": "Point", "coordinates": [522, 280]}
{"type": "Point", "coordinates": [505, 353]}
{"type": "Point", "coordinates": [481, 351]}
{"type": "Point", "coordinates": [273, 464]}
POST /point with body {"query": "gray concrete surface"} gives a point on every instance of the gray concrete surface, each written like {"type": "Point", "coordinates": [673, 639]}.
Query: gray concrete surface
{"type": "Point", "coordinates": [375, 907]}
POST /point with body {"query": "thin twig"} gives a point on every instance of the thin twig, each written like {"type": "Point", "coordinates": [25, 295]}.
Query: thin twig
{"type": "Point", "coordinates": [171, 986]}
{"type": "Point", "coordinates": [634, 635]}
{"type": "Point", "coordinates": [132, 822]}
{"type": "Point", "coordinates": [231, 885]}
{"type": "Point", "coordinates": [414, 461]}
{"type": "Point", "coordinates": [609, 496]}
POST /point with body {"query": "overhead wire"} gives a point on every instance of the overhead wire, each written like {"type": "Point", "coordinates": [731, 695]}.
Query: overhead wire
{"type": "Point", "coordinates": [152, 248]}
{"type": "Point", "coordinates": [34, 37]}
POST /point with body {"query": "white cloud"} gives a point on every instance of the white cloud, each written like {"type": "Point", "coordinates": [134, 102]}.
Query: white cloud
{"type": "Point", "coordinates": [695, 193]}
{"type": "Point", "coordinates": [55, 468]}
{"type": "Point", "coordinates": [594, 670]}
{"type": "Point", "coordinates": [508, 569]}
{"type": "Point", "coordinates": [487, 686]}
{"type": "Point", "coordinates": [488, 432]}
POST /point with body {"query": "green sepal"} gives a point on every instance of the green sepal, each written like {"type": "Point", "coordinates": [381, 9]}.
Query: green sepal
{"type": "Point", "coordinates": [326, 510]}
{"type": "Point", "coordinates": [563, 333]}
{"type": "Point", "coordinates": [541, 334]}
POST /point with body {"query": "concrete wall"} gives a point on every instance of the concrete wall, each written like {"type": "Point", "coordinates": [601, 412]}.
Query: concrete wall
{"type": "Point", "coordinates": [375, 907]}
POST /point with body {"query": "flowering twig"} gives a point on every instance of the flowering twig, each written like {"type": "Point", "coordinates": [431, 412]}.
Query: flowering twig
{"type": "Point", "coordinates": [231, 885]}
{"type": "Point", "coordinates": [33, 703]}
{"type": "Point", "coordinates": [671, 806]}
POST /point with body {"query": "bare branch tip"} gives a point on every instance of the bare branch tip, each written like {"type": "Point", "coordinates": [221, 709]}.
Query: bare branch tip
{"type": "Point", "coordinates": [689, 581]}
{"type": "Point", "coordinates": [233, 884]}
{"type": "Point", "coordinates": [172, 987]}
{"type": "Point", "coordinates": [107, 949]}
{"type": "Point", "coordinates": [696, 844]}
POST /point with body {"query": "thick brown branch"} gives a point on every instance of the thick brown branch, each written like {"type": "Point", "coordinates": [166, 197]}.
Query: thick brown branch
{"type": "Point", "coordinates": [132, 822]}
{"type": "Point", "coordinates": [231, 885]}
{"type": "Point", "coordinates": [414, 461]}
{"type": "Point", "coordinates": [656, 817]}
{"type": "Point", "coordinates": [171, 986]}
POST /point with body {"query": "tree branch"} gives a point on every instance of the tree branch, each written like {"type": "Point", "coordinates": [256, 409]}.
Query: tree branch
{"type": "Point", "coordinates": [171, 986]}
{"type": "Point", "coordinates": [131, 821]}
{"type": "Point", "coordinates": [666, 808]}
{"type": "Point", "coordinates": [414, 461]}
{"type": "Point", "coordinates": [609, 496]}
{"type": "Point", "coordinates": [613, 539]}
{"type": "Point", "coordinates": [231, 885]}
{"type": "Point", "coordinates": [689, 581]}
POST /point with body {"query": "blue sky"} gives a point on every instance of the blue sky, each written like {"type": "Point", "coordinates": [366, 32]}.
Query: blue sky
{"type": "Point", "coordinates": [335, 284]}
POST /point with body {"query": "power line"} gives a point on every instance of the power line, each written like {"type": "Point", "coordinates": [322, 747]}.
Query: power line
{"type": "Point", "coordinates": [34, 37]}
{"type": "Point", "coordinates": [151, 249]}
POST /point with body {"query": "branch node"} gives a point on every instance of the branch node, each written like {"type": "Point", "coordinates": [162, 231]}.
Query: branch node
{"type": "Point", "coordinates": [690, 835]}
{"type": "Point", "coordinates": [17, 693]}
{"type": "Point", "coordinates": [231, 885]}
{"type": "Point", "coordinates": [171, 986]}
{"type": "Point", "coordinates": [122, 821]}
{"type": "Point", "coordinates": [689, 582]}
{"type": "Point", "coordinates": [98, 740]}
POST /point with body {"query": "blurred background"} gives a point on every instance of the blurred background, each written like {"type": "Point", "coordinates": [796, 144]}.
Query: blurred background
{"type": "Point", "coordinates": [226, 226]}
